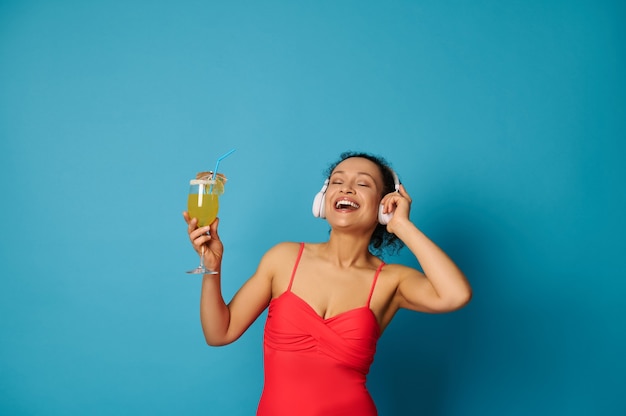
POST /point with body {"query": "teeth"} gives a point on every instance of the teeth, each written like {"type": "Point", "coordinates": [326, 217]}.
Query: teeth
{"type": "Point", "coordinates": [346, 203]}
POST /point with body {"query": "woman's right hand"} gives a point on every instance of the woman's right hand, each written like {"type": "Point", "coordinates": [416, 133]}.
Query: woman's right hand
{"type": "Point", "coordinates": [207, 237]}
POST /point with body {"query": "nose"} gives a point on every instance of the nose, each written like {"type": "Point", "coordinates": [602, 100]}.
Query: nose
{"type": "Point", "coordinates": [347, 188]}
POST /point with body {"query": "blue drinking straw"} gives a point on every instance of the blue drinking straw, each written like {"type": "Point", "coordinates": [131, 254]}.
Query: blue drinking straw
{"type": "Point", "coordinates": [217, 164]}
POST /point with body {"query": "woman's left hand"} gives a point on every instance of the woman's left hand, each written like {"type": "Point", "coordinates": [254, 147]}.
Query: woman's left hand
{"type": "Point", "coordinates": [399, 203]}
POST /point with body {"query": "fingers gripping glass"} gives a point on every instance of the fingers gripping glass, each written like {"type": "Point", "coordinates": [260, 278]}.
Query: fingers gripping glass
{"type": "Point", "coordinates": [203, 204]}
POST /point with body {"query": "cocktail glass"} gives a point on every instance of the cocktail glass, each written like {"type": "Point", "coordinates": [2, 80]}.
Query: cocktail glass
{"type": "Point", "coordinates": [203, 204]}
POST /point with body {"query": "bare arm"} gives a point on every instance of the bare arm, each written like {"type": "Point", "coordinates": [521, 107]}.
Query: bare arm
{"type": "Point", "coordinates": [442, 287]}
{"type": "Point", "coordinates": [224, 323]}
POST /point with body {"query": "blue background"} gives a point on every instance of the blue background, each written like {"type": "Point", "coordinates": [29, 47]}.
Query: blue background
{"type": "Point", "coordinates": [505, 120]}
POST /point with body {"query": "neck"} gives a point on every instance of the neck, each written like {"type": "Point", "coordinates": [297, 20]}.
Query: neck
{"type": "Point", "coordinates": [347, 249]}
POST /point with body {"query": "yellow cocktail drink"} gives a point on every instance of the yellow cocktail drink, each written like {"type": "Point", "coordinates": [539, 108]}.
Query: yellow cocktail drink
{"type": "Point", "coordinates": [204, 207]}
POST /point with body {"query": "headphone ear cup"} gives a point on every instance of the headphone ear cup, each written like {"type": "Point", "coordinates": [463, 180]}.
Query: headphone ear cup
{"type": "Point", "coordinates": [382, 217]}
{"type": "Point", "coordinates": [318, 205]}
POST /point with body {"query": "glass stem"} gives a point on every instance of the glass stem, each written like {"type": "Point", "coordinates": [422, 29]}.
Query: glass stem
{"type": "Point", "coordinates": [202, 257]}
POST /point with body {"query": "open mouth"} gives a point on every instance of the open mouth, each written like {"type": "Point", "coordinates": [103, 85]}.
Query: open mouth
{"type": "Point", "coordinates": [346, 204]}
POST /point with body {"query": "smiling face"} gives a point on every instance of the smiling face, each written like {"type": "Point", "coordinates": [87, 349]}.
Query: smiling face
{"type": "Point", "coordinates": [354, 191]}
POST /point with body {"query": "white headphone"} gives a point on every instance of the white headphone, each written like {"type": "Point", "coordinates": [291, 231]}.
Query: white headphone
{"type": "Point", "coordinates": [319, 210]}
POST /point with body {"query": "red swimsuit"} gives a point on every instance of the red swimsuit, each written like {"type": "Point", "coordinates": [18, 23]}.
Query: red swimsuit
{"type": "Point", "coordinates": [316, 366]}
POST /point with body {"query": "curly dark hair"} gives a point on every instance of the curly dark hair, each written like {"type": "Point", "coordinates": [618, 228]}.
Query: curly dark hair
{"type": "Point", "coordinates": [382, 241]}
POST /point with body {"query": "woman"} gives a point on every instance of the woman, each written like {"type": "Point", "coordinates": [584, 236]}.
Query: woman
{"type": "Point", "coordinates": [330, 302]}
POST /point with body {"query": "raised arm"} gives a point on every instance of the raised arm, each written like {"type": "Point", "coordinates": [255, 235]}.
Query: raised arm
{"type": "Point", "coordinates": [224, 323]}
{"type": "Point", "coordinates": [442, 287]}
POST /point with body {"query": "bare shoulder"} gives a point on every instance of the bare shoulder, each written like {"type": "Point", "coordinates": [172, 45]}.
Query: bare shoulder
{"type": "Point", "coordinates": [276, 264]}
{"type": "Point", "coordinates": [399, 272]}
{"type": "Point", "coordinates": [390, 279]}
{"type": "Point", "coordinates": [393, 276]}
{"type": "Point", "coordinates": [281, 252]}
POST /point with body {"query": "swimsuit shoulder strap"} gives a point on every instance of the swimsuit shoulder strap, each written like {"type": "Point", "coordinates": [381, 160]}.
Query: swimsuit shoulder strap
{"type": "Point", "coordinates": [295, 266]}
{"type": "Point", "coordinates": [369, 298]}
